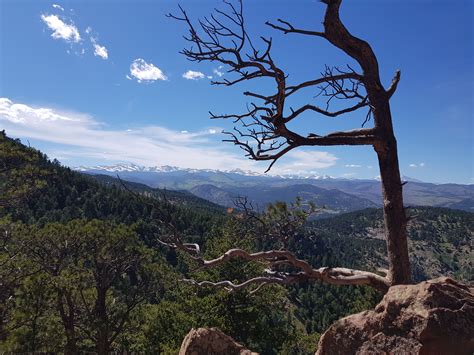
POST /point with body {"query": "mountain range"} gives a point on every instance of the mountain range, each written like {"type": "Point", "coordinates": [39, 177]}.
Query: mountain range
{"type": "Point", "coordinates": [334, 194]}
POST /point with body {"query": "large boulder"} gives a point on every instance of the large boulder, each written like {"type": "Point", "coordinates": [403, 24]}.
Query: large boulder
{"type": "Point", "coordinates": [212, 341]}
{"type": "Point", "coordinates": [432, 317]}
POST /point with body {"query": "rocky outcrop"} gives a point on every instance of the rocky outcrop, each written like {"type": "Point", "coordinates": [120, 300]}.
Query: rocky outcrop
{"type": "Point", "coordinates": [432, 317]}
{"type": "Point", "coordinates": [212, 341]}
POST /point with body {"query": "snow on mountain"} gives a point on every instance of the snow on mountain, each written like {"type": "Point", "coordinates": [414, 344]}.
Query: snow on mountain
{"type": "Point", "coordinates": [129, 168]}
{"type": "Point", "coordinates": [117, 168]}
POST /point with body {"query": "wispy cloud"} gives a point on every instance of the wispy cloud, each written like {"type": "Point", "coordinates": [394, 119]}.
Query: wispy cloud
{"type": "Point", "coordinates": [349, 175]}
{"type": "Point", "coordinates": [420, 165]}
{"type": "Point", "coordinates": [145, 72]}
{"type": "Point", "coordinates": [353, 166]}
{"type": "Point", "coordinates": [101, 51]}
{"type": "Point", "coordinates": [59, 7]}
{"type": "Point", "coordinates": [193, 75]}
{"type": "Point", "coordinates": [61, 30]}
{"type": "Point", "coordinates": [304, 162]}
{"type": "Point", "coordinates": [81, 136]}
{"type": "Point", "coordinates": [218, 71]}
{"type": "Point", "coordinates": [64, 28]}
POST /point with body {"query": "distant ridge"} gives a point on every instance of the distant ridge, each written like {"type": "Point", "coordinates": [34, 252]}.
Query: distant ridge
{"type": "Point", "coordinates": [130, 167]}
{"type": "Point", "coordinates": [340, 194]}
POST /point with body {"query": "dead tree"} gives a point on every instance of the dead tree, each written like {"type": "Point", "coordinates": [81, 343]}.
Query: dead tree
{"type": "Point", "coordinates": [263, 131]}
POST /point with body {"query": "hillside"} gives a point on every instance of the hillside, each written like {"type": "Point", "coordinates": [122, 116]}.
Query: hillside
{"type": "Point", "coordinates": [60, 222]}
{"type": "Point", "coordinates": [332, 201]}
{"type": "Point", "coordinates": [440, 240]}
{"type": "Point", "coordinates": [181, 197]}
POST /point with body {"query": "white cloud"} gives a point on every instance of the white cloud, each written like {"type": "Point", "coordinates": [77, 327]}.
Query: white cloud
{"type": "Point", "coordinates": [193, 75]}
{"type": "Point", "coordinates": [209, 76]}
{"type": "Point", "coordinates": [59, 7]}
{"type": "Point", "coordinates": [218, 72]}
{"type": "Point", "coordinates": [353, 166]}
{"type": "Point", "coordinates": [80, 135]}
{"type": "Point", "coordinates": [349, 175]}
{"type": "Point", "coordinates": [100, 51]}
{"type": "Point", "coordinates": [61, 30]}
{"type": "Point", "coordinates": [420, 165]}
{"type": "Point", "coordinates": [304, 162]}
{"type": "Point", "coordinates": [24, 114]}
{"type": "Point", "coordinates": [144, 71]}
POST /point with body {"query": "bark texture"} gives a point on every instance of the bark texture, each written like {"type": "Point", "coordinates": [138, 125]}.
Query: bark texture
{"type": "Point", "coordinates": [386, 145]}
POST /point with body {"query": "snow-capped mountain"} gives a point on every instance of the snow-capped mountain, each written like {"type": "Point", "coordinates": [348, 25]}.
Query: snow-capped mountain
{"type": "Point", "coordinates": [130, 167]}
{"type": "Point", "coordinates": [224, 184]}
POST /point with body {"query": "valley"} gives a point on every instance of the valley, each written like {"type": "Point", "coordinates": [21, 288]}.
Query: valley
{"type": "Point", "coordinates": [334, 195]}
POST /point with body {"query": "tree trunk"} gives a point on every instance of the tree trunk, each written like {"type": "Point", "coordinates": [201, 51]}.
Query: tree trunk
{"type": "Point", "coordinates": [68, 322]}
{"type": "Point", "coordinates": [393, 210]}
{"type": "Point", "coordinates": [71, 346]}
{"type": "Point", "coordinates": [103, 323]}
{"type": "Point", "coordinates": [386, 148]}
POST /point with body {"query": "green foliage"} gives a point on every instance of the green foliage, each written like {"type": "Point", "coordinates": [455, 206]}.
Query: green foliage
{"type": "Point", "coordinates": [22, 171]}
{"type": "Point", "coordinates": [95, 273]}
{"type": "Point", "coordinates": [302, 345]}
{"type": "Point", "coordinates": [262, 320]}
{"type": "Point", "coordinates": [81, 269]}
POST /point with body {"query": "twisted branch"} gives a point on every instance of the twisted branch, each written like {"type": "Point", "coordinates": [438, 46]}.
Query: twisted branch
{"type": "Point", "coordinates": [265, 136]}
{"type": "Point", "coordinates": [281, 266]}
{"type": "Point", "coordinates": [274, 259]}
{"type": "Point", "coordinates": [223, 38]}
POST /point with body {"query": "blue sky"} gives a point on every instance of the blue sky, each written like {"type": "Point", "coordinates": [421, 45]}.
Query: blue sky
{"type": "Point", "coordinates": [102, 82]}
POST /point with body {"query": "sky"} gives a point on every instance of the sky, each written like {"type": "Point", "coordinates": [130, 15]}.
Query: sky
{"type": "Point", "coordinates": [103, 82]}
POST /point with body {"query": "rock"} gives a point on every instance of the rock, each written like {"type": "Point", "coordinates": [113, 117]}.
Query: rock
{"type": "Point", "coordinates": [212, 341]}
{"type": "Point", "coordinates": [432, 317]}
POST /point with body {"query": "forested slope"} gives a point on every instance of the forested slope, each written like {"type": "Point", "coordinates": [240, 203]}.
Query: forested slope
{"type": "Point", "coordinates": [81, 268]}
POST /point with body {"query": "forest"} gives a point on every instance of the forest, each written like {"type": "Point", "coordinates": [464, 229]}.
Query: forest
{"type": "Point", "coordinates": [82, 267]}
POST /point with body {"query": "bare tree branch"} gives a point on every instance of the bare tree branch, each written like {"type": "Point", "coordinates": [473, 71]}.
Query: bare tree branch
{"type": "Point", "coordinates": [223, 38]}
{"type": "Point", "coordinates": [274, 259]}
{"type": "Point", "coordinates": [393, 86]}
{"type": "Point", "coordinates": [277, 262]}
{"type": "Point", "coordinates": [264, 135]}
{"type": "Point", "coordinates": [286, 28]}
